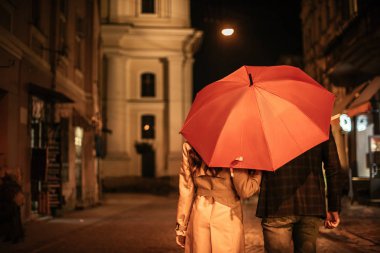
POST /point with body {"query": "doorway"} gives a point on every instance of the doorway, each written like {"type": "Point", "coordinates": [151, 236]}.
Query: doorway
{"type": "Point", "coordinates": [148, 154]}
{"type": "Point", "coordinates": [79, 166]}
{"type": "Point", "coordinates": [38, 144]}
{"type": "Point", "coordinates": [148, 162]}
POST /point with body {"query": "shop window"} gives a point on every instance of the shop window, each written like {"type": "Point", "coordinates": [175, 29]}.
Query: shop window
{"type": "Point", "coordinates": [148, 127]}
{"type": "Point", "coordinates": [148, 6]}
{"type": "Point", "coordinates": [148, 85]}
{"type": "Point", "coordinates": [38, 124]}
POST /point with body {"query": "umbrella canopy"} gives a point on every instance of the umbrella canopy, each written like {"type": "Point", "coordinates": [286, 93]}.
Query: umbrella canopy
{"type": "Point", "coordinates": [258, 117]}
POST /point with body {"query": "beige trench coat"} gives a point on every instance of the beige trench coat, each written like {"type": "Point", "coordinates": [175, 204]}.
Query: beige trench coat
{"type": "Point", "coordinates": [209, 211]}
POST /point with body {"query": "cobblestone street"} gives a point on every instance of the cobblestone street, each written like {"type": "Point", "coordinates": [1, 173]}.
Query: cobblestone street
{"type": "Point", "coordinates": [144, 223]}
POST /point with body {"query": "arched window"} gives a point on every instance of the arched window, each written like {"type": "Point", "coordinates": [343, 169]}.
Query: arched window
{"type": "Point", "coordinates": [148, 85]}
{"type": "Point", "coordinates": [148, 7]}
{"type": "Point", "coordinates": [147, 126]}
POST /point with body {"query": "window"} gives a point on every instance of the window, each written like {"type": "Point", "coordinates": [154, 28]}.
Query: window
{"type": "Point", "coordinates": [148, 6]}
{"type": "Point", "coordinates": [63, 7]}
{"type": "Point", "coordinates": [353, 7]}
{"type": "Point", "coordinates": [350, 9]}
{"type": "Point", "coordinates": [6, 16]}
{"type": "Point", "coordinates": [328, 13]}
{"type": "Point", "coordinates": [345, 10]}
{"type": "Point", "coordinates": [38, 123]}
{"type": "Point", "coordinates": [36, 12]}
{"type": "Point", "coordinates": [79, 39]}
{"type": "Point", "coordinates": [148, 83]}
{"type": "Point", "coordinates": [78, 60]}
{"type": "Point", "coordinates": [63, 15]}
{"type": "Point", "coordinates": [147, 127]}
{"type": "Point", "coordinates": [320, 25]}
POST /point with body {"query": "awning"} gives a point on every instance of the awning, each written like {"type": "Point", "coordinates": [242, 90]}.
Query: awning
{"type": "Point", "coordinates": [81, 121]}
{"type": "Point", "coordinates": [366, 95]}
{"type": "Point", "coordinates": [358, 101]}
{"type": "Point", "coordinates": [48, 95]}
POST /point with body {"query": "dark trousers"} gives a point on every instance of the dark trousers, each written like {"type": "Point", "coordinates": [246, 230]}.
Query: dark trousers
{"type": "Point", "coordinates": [290, 234]}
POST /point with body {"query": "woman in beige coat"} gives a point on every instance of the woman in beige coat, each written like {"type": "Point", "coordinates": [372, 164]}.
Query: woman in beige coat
{"type": "Point", "coordinates": [209, 215]}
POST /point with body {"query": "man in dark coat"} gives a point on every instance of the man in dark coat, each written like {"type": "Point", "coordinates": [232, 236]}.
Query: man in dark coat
{"type": "Point", "coordinates": [11, 228]}
{"type": "Point", "coordinates": [292, 201]}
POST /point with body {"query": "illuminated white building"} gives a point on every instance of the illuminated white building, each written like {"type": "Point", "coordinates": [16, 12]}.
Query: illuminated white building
{"type": "Point", "coordinates": [148, 48]}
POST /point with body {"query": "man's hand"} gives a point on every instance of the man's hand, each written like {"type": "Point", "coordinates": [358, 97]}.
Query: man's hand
{"type": "Point", "coordinates": [332, 220]}
{"type": "Point", "coordinates": [180, 240]}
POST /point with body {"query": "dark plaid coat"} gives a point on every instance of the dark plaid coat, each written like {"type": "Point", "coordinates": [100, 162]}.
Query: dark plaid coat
{"type": "Point", "coordinates": [298, 187]}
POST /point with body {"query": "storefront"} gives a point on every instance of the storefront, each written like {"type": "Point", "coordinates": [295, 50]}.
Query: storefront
{"type": "Point", "coordinates": [356, 117]}
{"type": "Point", "coordinates": [48, 149]}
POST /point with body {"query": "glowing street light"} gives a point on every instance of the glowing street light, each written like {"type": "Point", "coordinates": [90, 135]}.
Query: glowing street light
{"type": "Point", "coordinates": [228, 31]}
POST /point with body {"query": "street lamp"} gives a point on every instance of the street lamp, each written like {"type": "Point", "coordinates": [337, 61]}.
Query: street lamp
{"type": "Point", "coordinates": [227, 31]}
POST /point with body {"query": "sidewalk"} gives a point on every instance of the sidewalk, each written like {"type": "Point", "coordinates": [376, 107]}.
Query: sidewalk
{"type": "Point", "coordinates": [89, 230]}
{"type": "Point", "coordinates": [359, 228]}
{"type": "Point", "coordinates": [145, 223]}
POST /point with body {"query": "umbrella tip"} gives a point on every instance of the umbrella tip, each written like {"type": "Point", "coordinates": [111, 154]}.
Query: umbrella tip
{"type": "Point", "coordinates": [250, 80]}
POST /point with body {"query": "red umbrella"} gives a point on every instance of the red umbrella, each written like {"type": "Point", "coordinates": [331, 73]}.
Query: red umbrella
{"type": "Point", "coordinates": [258, 117]}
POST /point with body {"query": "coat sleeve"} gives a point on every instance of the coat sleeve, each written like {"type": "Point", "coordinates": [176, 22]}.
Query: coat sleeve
{"type": "Point", "coordinates": [186, 192]}
{"type": "Point", "coordinates": [246, 184]}
{"type": "Point", "coordinates": [333, 173]}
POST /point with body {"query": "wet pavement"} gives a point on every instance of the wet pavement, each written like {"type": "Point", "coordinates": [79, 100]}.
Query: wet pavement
{"type": "Point", "coordinates": [145, 223]}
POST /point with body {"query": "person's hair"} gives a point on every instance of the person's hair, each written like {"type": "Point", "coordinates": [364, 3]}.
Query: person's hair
{"type": "Point", "coordinates": [196, 161]}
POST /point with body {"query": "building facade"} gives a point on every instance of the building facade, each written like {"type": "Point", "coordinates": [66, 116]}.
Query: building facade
{"type": "Point", "coordinates": [148, 48]}
{"type": "Point", "coordinates": [49, 106]}
{"type": "Point", "coordinates": [341, 42]}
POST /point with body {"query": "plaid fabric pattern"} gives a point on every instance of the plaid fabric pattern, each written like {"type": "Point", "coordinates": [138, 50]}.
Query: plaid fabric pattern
{"type": "Point", "coordinates": [298, 188]}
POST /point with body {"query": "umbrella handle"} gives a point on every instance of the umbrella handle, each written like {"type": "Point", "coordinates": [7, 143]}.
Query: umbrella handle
{"type": "Point", "coordinates": [232, 172]}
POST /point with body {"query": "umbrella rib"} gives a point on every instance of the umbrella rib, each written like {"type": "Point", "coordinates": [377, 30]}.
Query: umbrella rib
{"type": "Point", "coordinates": [218, 139]}
{"type": "Point", "coordinates": [203, 106]}
{"type": "Point", "coordinates": [283, 123]}
{"type": "Point", "coordinates": [216, 144]}
{"type": "Point", "coordinates": [283, 99]}
{"type": "Point", "coordinates": [265, 138]}
{"type": "Point", "coordinates": [287, 129]}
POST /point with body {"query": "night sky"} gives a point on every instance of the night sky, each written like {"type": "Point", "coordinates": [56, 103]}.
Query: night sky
{"type": "Point", "coordinates": [264, 30]}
